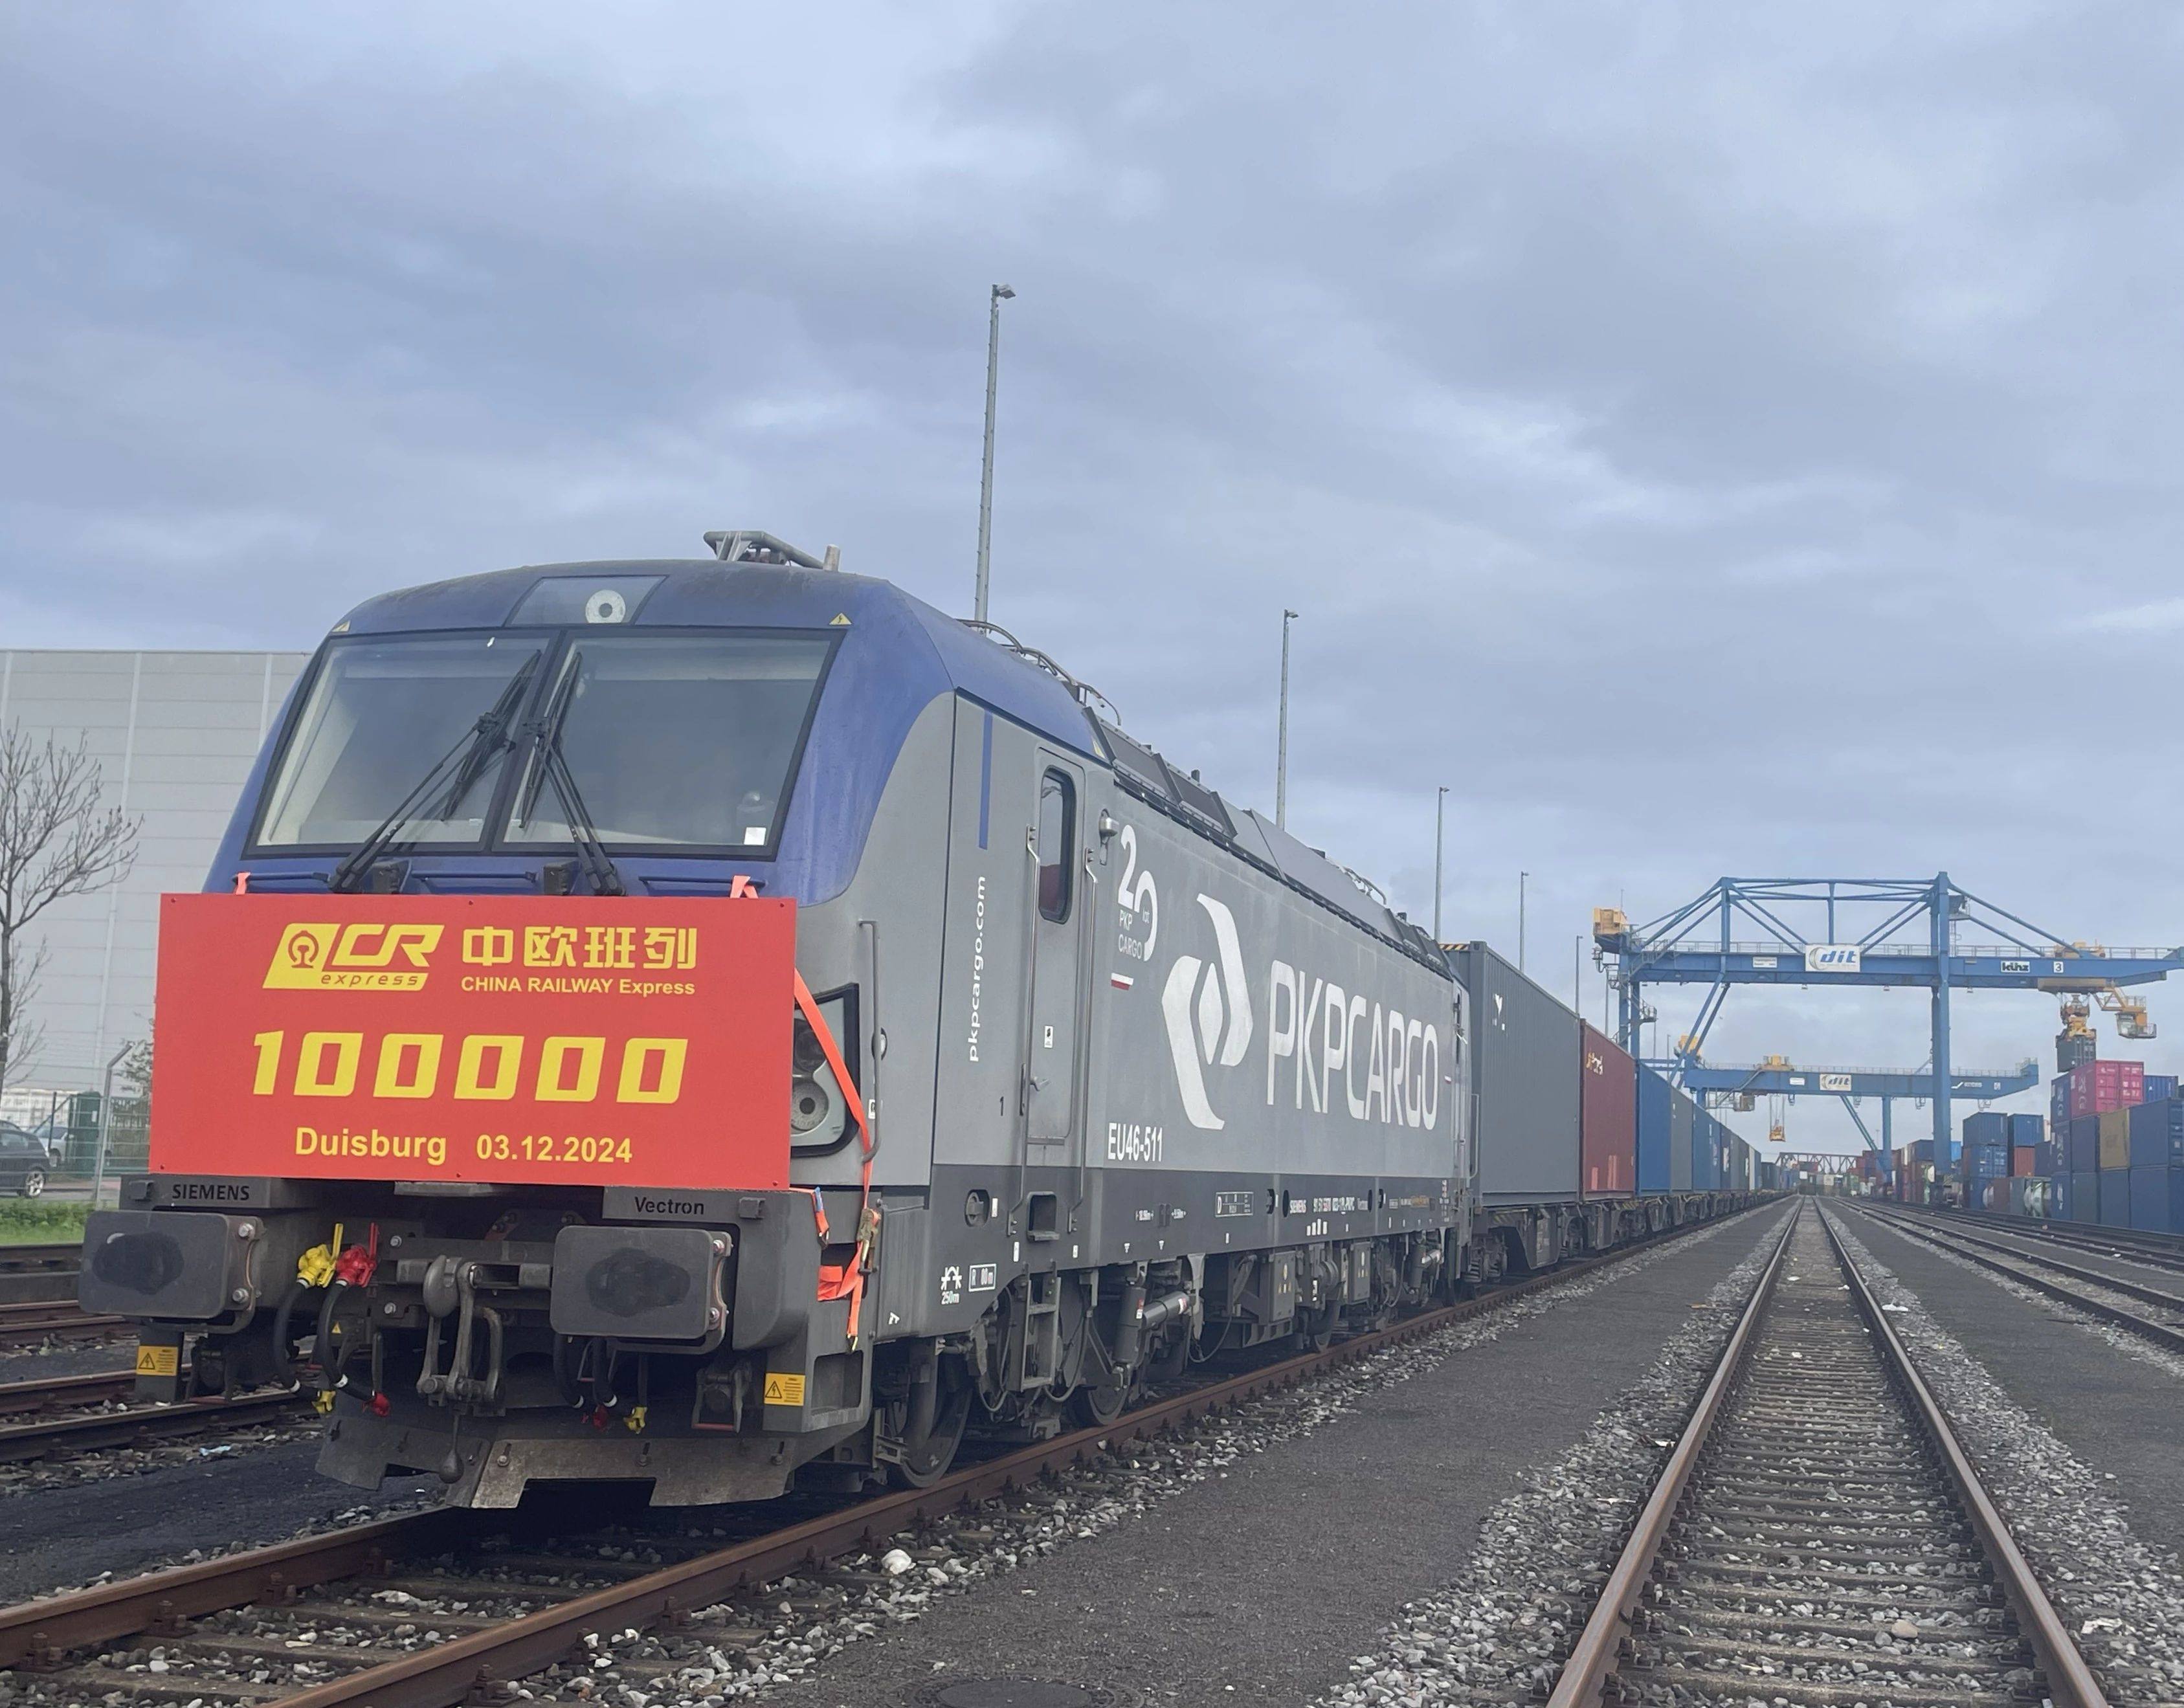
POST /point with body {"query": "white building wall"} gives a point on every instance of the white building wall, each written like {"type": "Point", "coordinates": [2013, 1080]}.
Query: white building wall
{"type": "Point", "coordinates": [175, 734]}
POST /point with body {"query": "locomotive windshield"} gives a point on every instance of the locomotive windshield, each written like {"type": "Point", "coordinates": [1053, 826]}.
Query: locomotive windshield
{"type": "Point", "coordinates": [675, 738]}
{"type": "Point", "coordinates": [679, 739]}
{"type": "Point", "coordinates": [379, 713]}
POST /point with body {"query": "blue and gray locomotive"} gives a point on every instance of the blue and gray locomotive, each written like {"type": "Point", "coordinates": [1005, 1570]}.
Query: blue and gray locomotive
{"type": "Point", "coordinates": [1087, 1072]}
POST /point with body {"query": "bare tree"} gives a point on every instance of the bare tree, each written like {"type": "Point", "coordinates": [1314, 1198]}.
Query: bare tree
{"type": "Point", "coordinates": [57, 839]}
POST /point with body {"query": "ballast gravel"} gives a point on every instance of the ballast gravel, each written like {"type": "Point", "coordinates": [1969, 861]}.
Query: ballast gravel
{"type": "Point", "coordinates": [1499, 1633]}
{"type": "Point", "coordinates": [68, 1467]}
{"type": "Point", "coordinates": [2123, 1599]}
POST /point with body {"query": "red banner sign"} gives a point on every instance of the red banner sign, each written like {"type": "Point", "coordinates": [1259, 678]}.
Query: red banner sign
{"type": "Point", "coordinates": [574, 1041]}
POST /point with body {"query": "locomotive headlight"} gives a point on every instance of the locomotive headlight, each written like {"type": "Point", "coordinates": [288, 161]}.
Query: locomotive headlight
{"type": "Point", "coordinates": [818, 1109]}
{"type": "Point", "coordinates": [605, 606]}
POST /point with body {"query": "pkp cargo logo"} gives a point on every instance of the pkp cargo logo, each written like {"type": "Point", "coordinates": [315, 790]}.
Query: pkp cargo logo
{"type": "Point", "coordinates": [358, 956]}
{"type": "Point", "coordinates": [1833, 957]}
{"type": "Point", "coordinates": [1203, 1022]}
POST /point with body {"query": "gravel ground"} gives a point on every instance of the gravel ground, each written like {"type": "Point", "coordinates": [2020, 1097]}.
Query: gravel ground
{"type": "Point", "coordinates": [2110, 1397]}
{"type": "Point", "coordinates": [64, 1537]}
{"type": "Point", "coordinates": [1499, 1631]}
{"type": "Point", "coordinates": [71, 1467]}
{"type": "Point", "coordinates": [2123, 1597]}
{"type": "Point", "coordinates": [1105, 1577]}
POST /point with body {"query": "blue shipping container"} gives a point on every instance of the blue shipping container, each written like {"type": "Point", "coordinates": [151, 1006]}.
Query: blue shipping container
{"type": "Point", "coordinates": [2085, 1195]}
{"type": "Point", "coordinates": [2047, 1160]}
{"type": "Point", "coordinates": [2115, 1197]}
{"type": "Point", "coordinates": [2027, 1129]}
{"type": "Point", "coordinates": [1990, 1127]}
{"type": "Point", "coordinates": [2156, 1134]}
{"type": "Point", "coordinates": [2058, 1198]}
{"type": "Point", "coordinates": [1653, 1095]}
{"type": "Point", "coordinates": [2081, 1145]}
{"type": "Point", "coordinates": [1986, 1162]}
{"type": "Point", "coordinates": [2160, 1087]}
{"type": "Point", "coordinates": [2153, 1198]}
{"type": "Point", "coordinates": [2058, 1102]}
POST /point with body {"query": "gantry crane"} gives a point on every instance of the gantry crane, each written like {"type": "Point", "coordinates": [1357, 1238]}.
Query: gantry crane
{"type": "Point", "coordinates": [1863, 932]}
{"type": "Point", "coordinates": [1777, 1080]}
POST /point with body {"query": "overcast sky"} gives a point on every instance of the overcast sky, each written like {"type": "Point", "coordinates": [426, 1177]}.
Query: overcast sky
{"type": "Point", "coordinates": [1709, 438]}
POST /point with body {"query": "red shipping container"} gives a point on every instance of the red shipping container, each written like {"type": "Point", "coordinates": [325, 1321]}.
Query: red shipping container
{"type": "Point", "coordinates": [2020, 1159]}
{"type": "Point", "coordinates": [2096, 1086]}
{"type": "Point", "coordinates": [1607, 1116]}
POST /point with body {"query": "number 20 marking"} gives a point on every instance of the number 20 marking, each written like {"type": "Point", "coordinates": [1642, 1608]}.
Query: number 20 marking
{"type": "Point", "coordinates": [488, 1067]}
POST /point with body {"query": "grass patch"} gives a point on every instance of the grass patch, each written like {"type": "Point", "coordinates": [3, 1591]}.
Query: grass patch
{"type": "Point", "coordinates": [34, 1222]}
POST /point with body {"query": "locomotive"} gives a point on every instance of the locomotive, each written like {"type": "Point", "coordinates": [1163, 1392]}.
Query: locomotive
{"type": "Point", "coordinates": [1011, 1066]}
{"type": "Point", "coordinates": [725, 1025]}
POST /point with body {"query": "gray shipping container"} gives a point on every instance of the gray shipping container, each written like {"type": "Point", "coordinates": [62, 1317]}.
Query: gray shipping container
{"type": "Point", "coordinates": [1683, 1119]}
{"type": "Point", "coordinates": [1524, 1082]}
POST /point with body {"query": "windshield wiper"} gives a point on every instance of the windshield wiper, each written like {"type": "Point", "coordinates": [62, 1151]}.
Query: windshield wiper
{"type": "Point", "coordinates": [550, 764]}
{"type": "Point", "coordinates": [459, 767]}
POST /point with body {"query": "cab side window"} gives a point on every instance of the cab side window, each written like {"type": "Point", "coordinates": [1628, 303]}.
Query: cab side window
{"type": "Point", "coordinates": [1057, 825]}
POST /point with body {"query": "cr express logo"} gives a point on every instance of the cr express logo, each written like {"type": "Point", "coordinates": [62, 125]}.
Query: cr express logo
{"type": "Point", "coordinates": [1213, 1024]}
{"type": "Point", "coordinates": [361, 956]}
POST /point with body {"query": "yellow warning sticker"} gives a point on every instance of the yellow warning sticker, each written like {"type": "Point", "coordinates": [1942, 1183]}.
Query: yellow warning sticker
{"type": "Point", "coordinates": [159, 1360]}
{"type": "Point", "coordinates": [782, 1389]}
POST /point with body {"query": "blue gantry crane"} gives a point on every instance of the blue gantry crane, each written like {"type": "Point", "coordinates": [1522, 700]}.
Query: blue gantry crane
{"type": "Point", "coordinates": [1776, 1077]}
{"type": "Point", "coordinates": [1919, 932]}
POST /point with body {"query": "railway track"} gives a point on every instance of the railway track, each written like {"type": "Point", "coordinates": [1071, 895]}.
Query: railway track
{"type": "Point", "coordinates": [34, 1321]}
{"type": "Point", "coordinates": [2151, 1313]}
{"type": "Point", "coordinates": [1817, 1537]}
{"type": "Point", "coordinates": [436, 1608]}
{"type": "Point", "coordinates": [38, 1274]}
{"type": "Point", "coordinates": [2130, 1244]}
{"type": "Point", "coordinates": [78, 1413]}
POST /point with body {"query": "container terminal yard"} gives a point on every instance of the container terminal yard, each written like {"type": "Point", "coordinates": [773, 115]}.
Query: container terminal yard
{"type": "Point", "coordinates": [735, 967]}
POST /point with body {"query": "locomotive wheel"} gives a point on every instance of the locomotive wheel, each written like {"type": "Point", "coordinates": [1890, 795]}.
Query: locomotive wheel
{"type": "Point", "coordinates": [925, 1463]}
{"type": "Point", "coordinates": [1315, 1330]}
{"type": "Point", "coordinates": [1095, 1408]}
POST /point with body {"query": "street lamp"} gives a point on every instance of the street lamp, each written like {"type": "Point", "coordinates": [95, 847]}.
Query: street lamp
{"type": "Point", "coordinates": [1522, 877]}
{"type": "Point", "coordinates": [1002, 293]}
{"type": "Point", "coordinates": [1440, 801]}
{"type": "Point", "coordinates": [1282, 737]}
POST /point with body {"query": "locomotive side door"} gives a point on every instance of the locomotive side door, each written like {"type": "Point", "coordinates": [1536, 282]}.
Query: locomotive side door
{"type": "Point", "coordinates": [1055, 1011]}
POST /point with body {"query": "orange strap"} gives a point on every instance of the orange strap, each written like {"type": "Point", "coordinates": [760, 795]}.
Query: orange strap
{"type": "Point", "coordinates": [843, 1280]}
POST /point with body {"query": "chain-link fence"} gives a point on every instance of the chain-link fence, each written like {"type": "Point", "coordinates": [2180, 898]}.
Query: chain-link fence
{"type": "Point", "coordinates": [70, 1129]}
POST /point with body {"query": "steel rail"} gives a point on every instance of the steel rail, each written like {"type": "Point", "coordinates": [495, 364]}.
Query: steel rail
{"type": "Point", "coordinates": [2161, 1334]}
{"type": "Point", "coordinates": [2067, 1235]}
{"type": "Point", "coordinates": [1592, 1659]}
{"type": "Point", "coordinates": [2158, 1297]}
{"type": "Point", "coordinates": [40, 1634]}
{"type": "Point", "coordinates": [52, 1256]}
{"type": "Point", "coordinates": [2071, 1681]}
{"type": "Point", "coordinates": [17, 1398]}
{"type": "Point", "coordinates": [2139, 1244]}
{"type": "Point", "coordinates": [139, 1425]}
{"type": "Point", "coordinates": [41, 1319]}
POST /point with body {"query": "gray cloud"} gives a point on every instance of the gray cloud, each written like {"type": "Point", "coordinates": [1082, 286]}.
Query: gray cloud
{"type": "Point", "coordinates": [1708, 439]}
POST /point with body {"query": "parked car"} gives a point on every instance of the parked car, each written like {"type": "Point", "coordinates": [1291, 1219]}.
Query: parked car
{"type": "Point", "coordinates": [24, 1164]}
